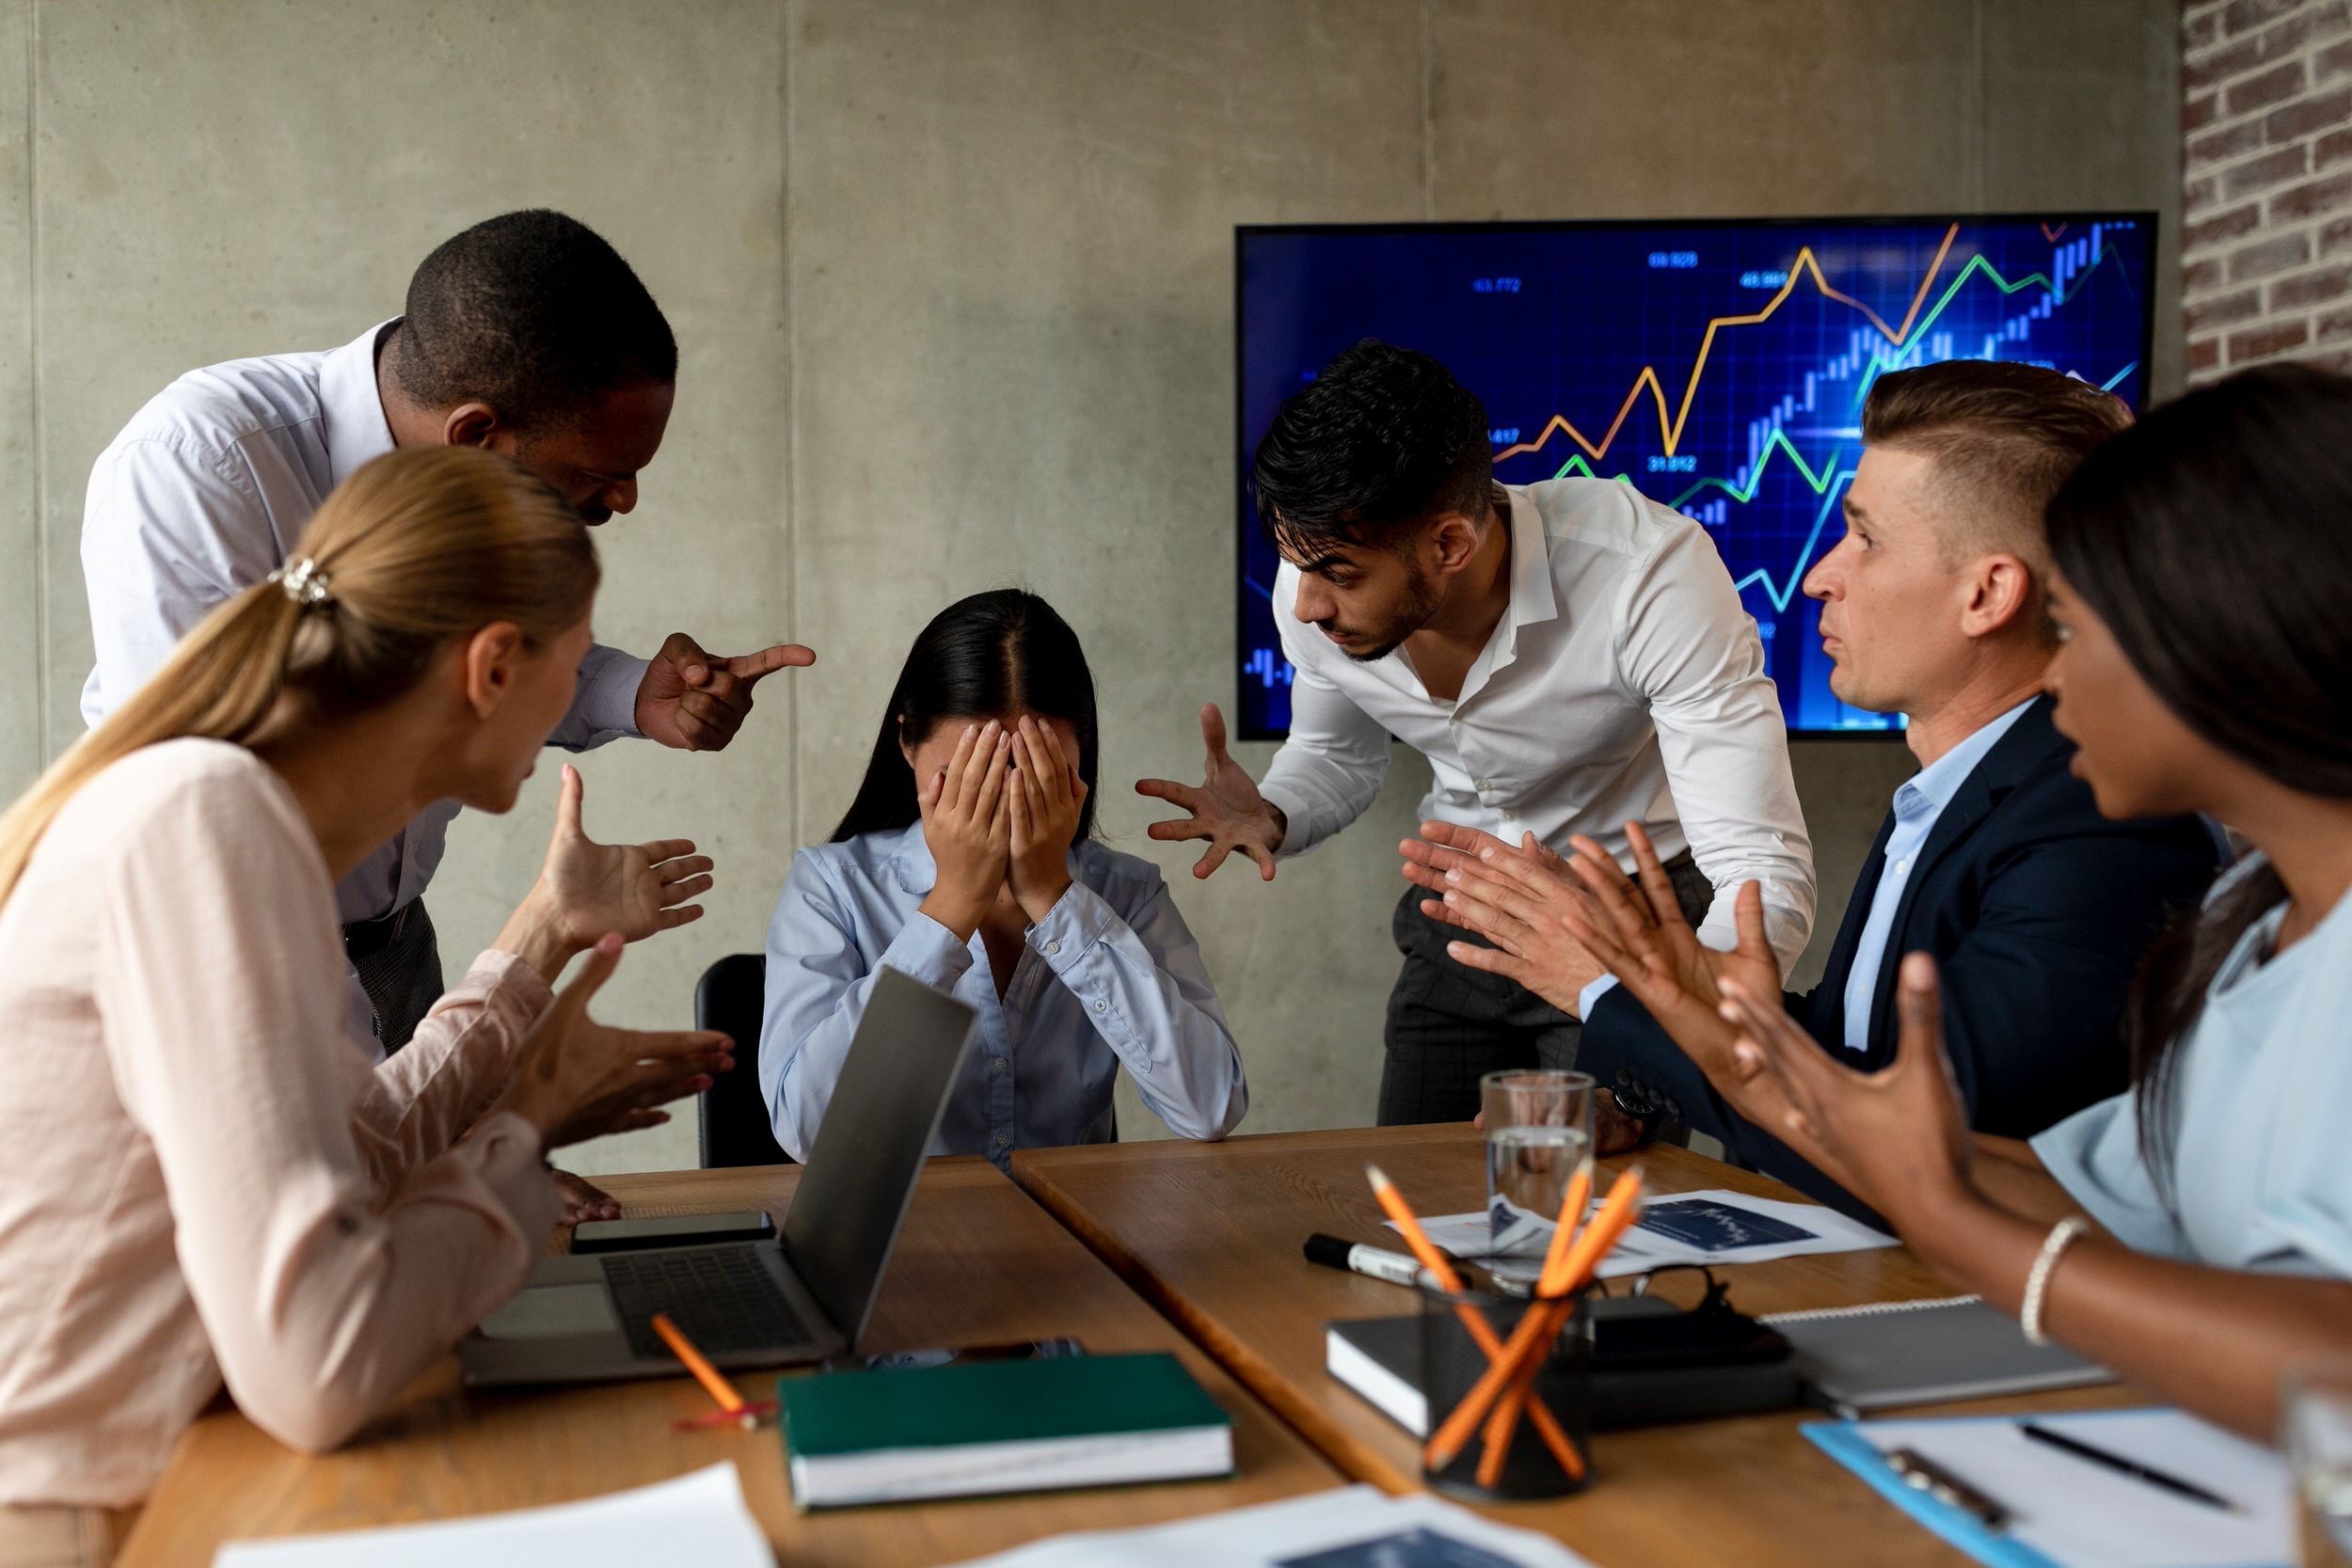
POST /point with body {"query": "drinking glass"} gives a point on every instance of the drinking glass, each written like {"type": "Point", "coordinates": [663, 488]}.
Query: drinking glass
{"type": "Point", "coordinates": [2316, 1416]}
{"type": "Point", "coordinates": [1539, 1136]}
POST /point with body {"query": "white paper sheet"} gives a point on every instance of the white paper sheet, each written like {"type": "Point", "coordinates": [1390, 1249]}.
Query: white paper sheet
{"type": "Point", "coordinates": [2082, 1514]}
{"type": "Point", "coordinates": [1353, 1528]}
{"type": "Point", "coordinates": [1716, 1226]}
{"type": "Point", "coordinates": [698, 1518]}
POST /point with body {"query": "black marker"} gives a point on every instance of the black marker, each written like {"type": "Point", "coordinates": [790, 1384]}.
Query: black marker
{"type": "Point", "coordinates": [1371, 1261]}
{"type": "Point", "coordinates": [2131, 1467]}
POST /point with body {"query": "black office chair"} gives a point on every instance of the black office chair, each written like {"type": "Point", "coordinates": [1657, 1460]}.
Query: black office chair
{"type": "Point", "coordinates": [735, 1126]}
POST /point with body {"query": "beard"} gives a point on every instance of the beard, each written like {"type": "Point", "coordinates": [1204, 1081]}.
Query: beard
{"type": "Point", "coordinates": [1422, 598]}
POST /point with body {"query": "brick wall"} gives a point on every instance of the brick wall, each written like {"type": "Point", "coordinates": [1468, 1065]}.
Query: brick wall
{"type": "Point", "coordinates": [2266, 201]}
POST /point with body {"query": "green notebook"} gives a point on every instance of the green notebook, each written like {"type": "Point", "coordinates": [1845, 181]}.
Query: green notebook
{"type": "Point", "coordinates": [904, 1432]}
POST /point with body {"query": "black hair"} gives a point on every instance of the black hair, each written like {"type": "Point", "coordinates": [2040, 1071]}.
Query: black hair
{"type": "Point", "coordinates": [991, 656]}
{"type": "Point", "coordinates": [1382, 437]}
{"type": "Point", "coordinates": [2215, 540]}
{"type": "Point", "coordinates": [532, 313]}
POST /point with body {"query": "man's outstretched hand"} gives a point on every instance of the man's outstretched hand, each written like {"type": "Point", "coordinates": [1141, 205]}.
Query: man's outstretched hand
{"type": "Point", "coordinates": [696, 701]}
{"type": "Point", "coordinates": [1227, 809]}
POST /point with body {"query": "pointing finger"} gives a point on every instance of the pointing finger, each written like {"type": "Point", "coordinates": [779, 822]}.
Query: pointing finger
{"type": "Point", "coordinates": [748, 668]}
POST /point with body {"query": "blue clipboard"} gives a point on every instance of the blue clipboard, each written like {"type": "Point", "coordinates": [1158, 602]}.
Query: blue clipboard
{"type": "Point", "coordinates": [1843, 1442]}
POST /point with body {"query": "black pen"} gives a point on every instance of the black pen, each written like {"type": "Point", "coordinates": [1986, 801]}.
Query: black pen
{"type": "Point", "coordinates": [2131, 1467]}
{"type": "Point", "coordinates": [1923, 1474]}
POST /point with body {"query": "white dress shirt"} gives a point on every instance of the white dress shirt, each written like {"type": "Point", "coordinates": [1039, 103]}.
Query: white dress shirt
{"type": "Point", "coordinates": [204, 494]}
{"type": "Point", "coordinates": [1110, 977]}
{"type": "Point", "coordinates": [1624, 682]}
{"type": "Point", "coordinates": [1918, 801]}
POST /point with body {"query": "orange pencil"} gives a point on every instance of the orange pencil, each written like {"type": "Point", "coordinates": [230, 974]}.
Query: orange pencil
{"type": "Point", "coordinates": [705, 1373]}
{"type": "Point", "coordinates": [1505, 1419]}
{"type": "Point", "coordinates": [1591, 1246]}
{"type": "Point", "coordinates": [1482, 1333]}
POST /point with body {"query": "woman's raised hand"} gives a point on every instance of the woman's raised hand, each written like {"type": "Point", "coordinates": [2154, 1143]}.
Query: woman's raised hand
{"type": "Point", "coordinates": [1898, 1139]}
{"type": "Point", "coordinates": [1045, 796]}
{"type": "Point", "coordinates": [586, 890]}
{"type": "Point", "coordinates": [575, 1079]}
{"type": "Point", "coordinates": [967, 823]}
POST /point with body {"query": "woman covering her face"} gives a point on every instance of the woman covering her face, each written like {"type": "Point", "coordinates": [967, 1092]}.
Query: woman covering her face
{"type": "Point", "coordinates": [967, 862]}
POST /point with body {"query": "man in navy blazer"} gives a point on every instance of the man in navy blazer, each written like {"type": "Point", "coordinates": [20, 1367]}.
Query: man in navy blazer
{"type": "Point", "coordinates": [1993, 860]}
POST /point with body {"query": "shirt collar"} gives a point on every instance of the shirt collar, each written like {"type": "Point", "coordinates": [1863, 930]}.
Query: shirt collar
{"type": "Point", "coordinates": [357, 431]}
{"type": "Point", "coordinates": [1532, 596]}
{"type": "Point", "coordinates": [1933, 787]}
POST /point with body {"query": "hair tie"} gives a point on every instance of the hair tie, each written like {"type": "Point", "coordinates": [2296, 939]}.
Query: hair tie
{"type": "Point", "coordinates": [304, 583]}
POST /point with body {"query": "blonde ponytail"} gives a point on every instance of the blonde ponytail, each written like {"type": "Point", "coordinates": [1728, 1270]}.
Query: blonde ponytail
{"type": "Point", "coordinates": [419, 546]}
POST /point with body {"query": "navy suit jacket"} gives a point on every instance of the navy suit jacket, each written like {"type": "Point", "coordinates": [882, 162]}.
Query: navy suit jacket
{"type": "Point", "coordinates": [2036, 910]}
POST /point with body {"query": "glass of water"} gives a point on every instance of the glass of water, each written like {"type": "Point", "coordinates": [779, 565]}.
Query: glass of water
{"type": "Point", "coordinates": [2316, 1416]}
{"type": "Point", "coordinates": [1539, 1136]}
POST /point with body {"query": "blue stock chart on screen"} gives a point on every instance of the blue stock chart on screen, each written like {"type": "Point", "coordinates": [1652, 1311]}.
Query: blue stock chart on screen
{"type": "Point", "coordinates": [1719, 368]}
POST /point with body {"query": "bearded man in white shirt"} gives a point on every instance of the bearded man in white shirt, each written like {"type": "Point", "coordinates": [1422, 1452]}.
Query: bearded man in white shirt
{"type": "Point", "coordinates": [1569, 655]}
{"type": "Point", "coordinates": [528, 335]}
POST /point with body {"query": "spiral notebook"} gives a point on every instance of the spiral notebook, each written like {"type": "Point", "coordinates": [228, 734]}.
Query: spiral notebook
{"type": "Point", "coordinates": [1855, 1359]}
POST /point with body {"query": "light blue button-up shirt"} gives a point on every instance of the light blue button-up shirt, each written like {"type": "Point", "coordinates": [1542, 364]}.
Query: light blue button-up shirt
{"type": "Point", "coordinates": [1918, 804]}
{"type": "Point", "coordinates": [1110, 977]}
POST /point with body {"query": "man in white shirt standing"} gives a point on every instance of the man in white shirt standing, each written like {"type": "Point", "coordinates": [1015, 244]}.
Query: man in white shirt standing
{"type": "Point", "coordinates": [1569, 655]}
{"type": "Point", "coordinates": [528, 335]}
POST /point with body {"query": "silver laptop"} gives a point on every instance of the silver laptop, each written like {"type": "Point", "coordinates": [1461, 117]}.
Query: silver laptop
{"type": "Point", "coordinates": [799, 1296]}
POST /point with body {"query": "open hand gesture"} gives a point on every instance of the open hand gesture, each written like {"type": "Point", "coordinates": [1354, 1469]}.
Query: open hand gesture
{"type": "Point", "coordinates": [577, 1078]}
{"type": "Point", "coordinates": [1517, 897]}
{"type": "Point", "coordinates": [1898, 1138]}
{"type": "Point", "coordinates": [635, 889]}
{"type": "Point", "coordinates": [967, 824]}
{"type": "Point", "coordinates": [1227, 809]}
{"type": "Point", "coordinates": [1044, 795]}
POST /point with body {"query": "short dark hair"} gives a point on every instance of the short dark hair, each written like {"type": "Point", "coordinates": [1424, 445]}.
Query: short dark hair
{"type": "Point", "coordinates": [2003, 436]}
{"type": "Point", "coordinates": [988, 657]}
{"type": "Point", "coordinates": [2215, 540]}
{"type": "Point", "coordinates": [1382, 437]}
{"type": "Point", "coordinates": [532, 313]}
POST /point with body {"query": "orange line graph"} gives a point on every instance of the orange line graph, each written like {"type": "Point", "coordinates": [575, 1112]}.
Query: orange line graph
{"type": "Point", "coordinates": [1670, 428]}
{"type": "Point", "coordinates": [2051, 234]}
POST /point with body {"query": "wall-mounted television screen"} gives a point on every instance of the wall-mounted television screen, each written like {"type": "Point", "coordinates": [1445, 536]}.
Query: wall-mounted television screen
{"type": "Point", "coordinates": [1718, 367]}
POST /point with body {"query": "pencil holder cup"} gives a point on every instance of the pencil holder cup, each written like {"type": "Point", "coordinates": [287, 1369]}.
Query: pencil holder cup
{"type": "Point", "coordinates": [1453, 1363]}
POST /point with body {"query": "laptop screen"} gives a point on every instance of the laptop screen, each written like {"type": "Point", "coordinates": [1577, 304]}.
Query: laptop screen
{"type": "Point", "coordinates": [869, 1148]}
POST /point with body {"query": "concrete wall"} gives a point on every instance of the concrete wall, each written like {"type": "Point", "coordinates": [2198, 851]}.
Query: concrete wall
{"type": "Point", "coordinates": [952, 286]}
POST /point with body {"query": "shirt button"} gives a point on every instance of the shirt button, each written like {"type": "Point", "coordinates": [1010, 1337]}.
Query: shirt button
{"type": "Point", "coordinates": [1486, 783]}
{"type": "Point", "coordinates": [1102, 1006]}
{"type": "Point", "coordinates": [998, 1063]}
{"type": "Point", "coordinates": [1053, 947]}
{"type": "Point", "coordinates": [1003, 1138]}
{"type": "Point", "coordinates": [1509, 817]}
{"type": "Point", "coordinates": [1903, 864]}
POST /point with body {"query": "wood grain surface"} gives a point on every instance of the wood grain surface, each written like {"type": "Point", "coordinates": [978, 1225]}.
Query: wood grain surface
{"type": "Point", "coordinates": [977, 1264]}
{"type": "Point", "coordinates": [1211, 1234]}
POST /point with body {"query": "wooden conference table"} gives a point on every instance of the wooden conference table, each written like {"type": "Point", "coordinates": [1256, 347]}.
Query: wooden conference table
{"type": "Point", "coordinates": [977, 1264]}
{"type": "Point", "coordinates": [1210, 1234]}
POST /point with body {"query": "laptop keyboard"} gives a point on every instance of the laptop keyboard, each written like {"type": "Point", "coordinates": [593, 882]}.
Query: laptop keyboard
{"type": "Point", "coordinates": [723, 1300]}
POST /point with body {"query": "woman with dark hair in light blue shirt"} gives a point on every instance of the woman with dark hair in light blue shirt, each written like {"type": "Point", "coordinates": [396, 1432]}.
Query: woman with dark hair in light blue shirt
{"type": "Point", "coordinates": [967, 862]}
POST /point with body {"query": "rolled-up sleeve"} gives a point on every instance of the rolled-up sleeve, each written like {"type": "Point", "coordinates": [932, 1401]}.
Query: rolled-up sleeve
{"type": "Point", "coordinates": [817, 990]}
{"type": "Point", "coordinates": [1140, 981]}
{"type": "Point", "coordinates": [322, 1295]}
{"type": "Point", "coordinates": [1692, 653]}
